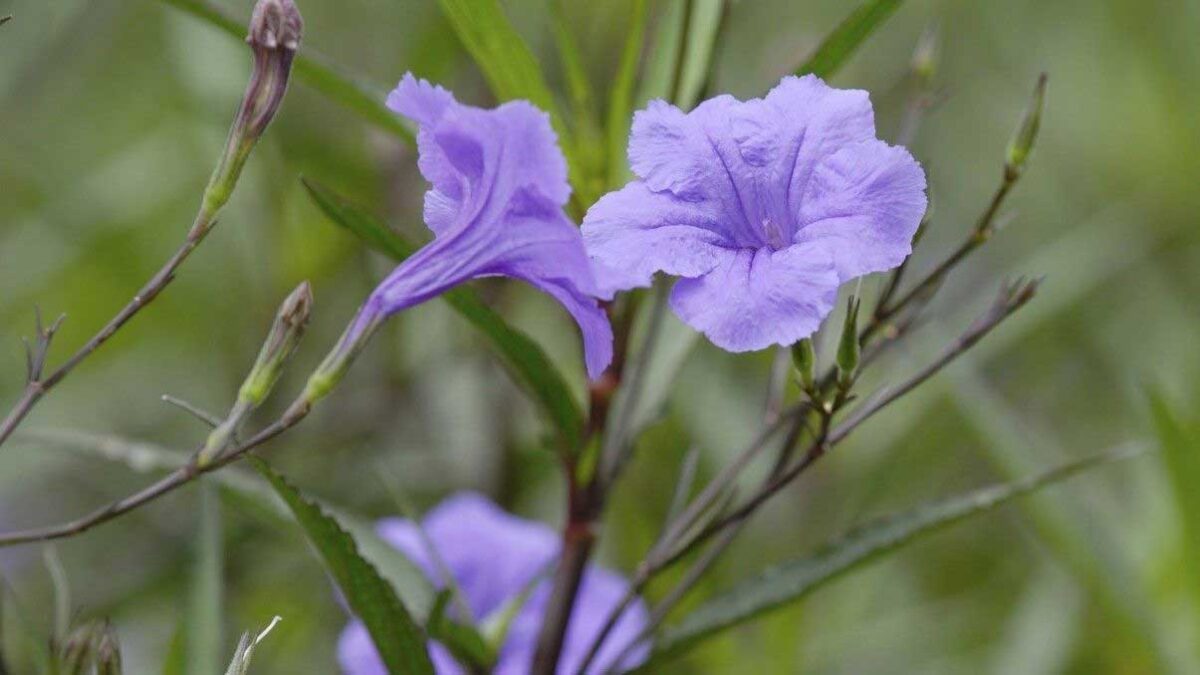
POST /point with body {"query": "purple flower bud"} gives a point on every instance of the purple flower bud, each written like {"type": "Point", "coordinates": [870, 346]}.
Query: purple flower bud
{"type": "Point", "coordinates": [274, 37]}
{"type": "Point", "coordinates": [275, 31]}
{"type": "Point", "coordinates": [276, 24]}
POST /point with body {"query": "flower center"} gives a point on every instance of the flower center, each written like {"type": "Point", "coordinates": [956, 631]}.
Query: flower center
{"type": "Point", "coordinates": [774, 234]}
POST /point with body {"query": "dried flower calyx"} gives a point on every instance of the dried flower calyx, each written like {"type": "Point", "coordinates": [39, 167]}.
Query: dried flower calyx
{"type": "Point", "coordinates": [275, 24]}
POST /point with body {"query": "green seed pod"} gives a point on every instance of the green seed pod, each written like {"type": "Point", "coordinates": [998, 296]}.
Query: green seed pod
{"type": "Point", "coordinates": [848, 348]}
{"type": "Point", "coordinates": [804, 359]}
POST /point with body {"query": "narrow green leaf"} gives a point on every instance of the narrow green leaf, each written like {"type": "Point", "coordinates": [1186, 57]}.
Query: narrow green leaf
{"type": "Point", "coordinates": [398, 639]}
{"type": "Point", "coordinates": [1180, 444]}
{"type": "Point", "coordinates": [523, 358]}
{"type": "Point", "coordinates": [315, 70]}
{"type": "Point", "coordinates": [464, 642]}
{"type": "Point", "coordinates": [662, 54]}
{"type": "Point", "coordinates": [20, 638]}
{"type": "Point", "coordinates": [791, 581]}
{"type": "Point", "coordinates": [204, 615]}
{"type": "Point", "coordinates": [510, 67]}
{"type": "Point", "coordinates": [620, 102]}
{"type": "Point", "coordinates": [62, 592]}
{"type": "Point", "coordinates": [840, 45]}
{"type": "Point", "coordinates": [175, 662]}
{"type": "Point", "coordinates": [578, 83]}
{"type": "Point", "coordinates": [703, 25]}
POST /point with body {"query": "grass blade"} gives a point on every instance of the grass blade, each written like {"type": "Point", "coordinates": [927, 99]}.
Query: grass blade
{"type": "Point", "coordinates": [397, 637]}
{"type": "Point", "coordinates": [315, 71]}
{"type": "Point", "coordinates": [1180, 444]}
{"type": "Point", "coordinates": [523, 358]}
{"type": "Point", "coordinates": [579, 85]}
{"type": "Point", "coordinates": [703, 25]}
{"type": "Point", "coordinates": [203, 626]}
{"type": "Point", "coordinates": [510, 68]}
{"type": "Point", "coordinates": [840, 45]}
{"type": "Point", "coordinates": [792, 581]}
{"type": "Point", "coordinates": [662, 57]}
{"type": "Point", "coordinates": [620, 102]}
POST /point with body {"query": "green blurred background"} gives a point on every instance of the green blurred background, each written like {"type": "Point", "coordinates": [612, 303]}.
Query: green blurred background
{"type": "Point", "coordinates": [112, 113]}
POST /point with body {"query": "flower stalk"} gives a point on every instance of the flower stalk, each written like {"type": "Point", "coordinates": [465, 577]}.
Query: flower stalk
{"type": "Point", "coordinates": [274, 37]}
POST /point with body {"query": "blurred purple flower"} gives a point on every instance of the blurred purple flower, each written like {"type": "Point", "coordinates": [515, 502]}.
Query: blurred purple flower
{"type": "Point", "coordinates": [494, 557]}
{"type": "Point", "coordinates": [763, 207]}
{"type": "Point", "coordinates": [495, 208]}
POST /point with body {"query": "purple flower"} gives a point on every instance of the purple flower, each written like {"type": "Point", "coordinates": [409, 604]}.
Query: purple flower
{"type": "Point", "coordinates": [494, 557]}
{"type": "Point", "coordinates": [495, 208]}
{"type": "Point", "coordinates": [763, 207]}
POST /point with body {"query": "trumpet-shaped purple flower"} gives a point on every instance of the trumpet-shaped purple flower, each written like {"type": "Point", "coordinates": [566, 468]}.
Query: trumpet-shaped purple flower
{"type": "Point", "coordinates": [763, 207]}
{"type": "Point", "coordinates": [494, 558]}
{"type": "Point", "coordinates": [495, 208]}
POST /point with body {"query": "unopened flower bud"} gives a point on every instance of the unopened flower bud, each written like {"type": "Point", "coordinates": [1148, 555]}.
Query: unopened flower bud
{"type": "Point", "coordinates": [91, 648]}
{"type": "Point", "coordinates": [281, 343]}
{"type": "Point", "coordinates": [275, 31]}
{"type": "Point", "coordinates": [276, 24]}
{"type": "Point", "coordinates": [848, 347]}
{"type": "Point", "coordinates": [75, 653]}
{"type": "Point", "coordinates": [925, 56]}
{"type": "Point", "coordinates": [274, 36]}
{"type": "Point", "coordinates": [1023, 139]}
{"type": "Point", "coordinates": [804, 359]}
{"type": "Point", "coordinates": [108, 652]}
{"type": "Point", "coordinates": [286, 332]}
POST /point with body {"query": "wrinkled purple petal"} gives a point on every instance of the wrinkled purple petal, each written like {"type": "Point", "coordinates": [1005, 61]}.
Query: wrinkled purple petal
{"type": "Point", "coordinates": [599, 594]}
{"type": "Point", "coordinates": [633, 233]}
{"type": "Point", "coordinates": [863, 203]}
{"type": "Point", "coordinates": [357, 654]}
{"type": "Point", "coordinates": [759, 297]}
{"type": "Point", "coordinates": [499, 182]}
{"type": "Point", "coordinates": [491, 554]}
{"type": "Point", "coordinates": [727, 191]}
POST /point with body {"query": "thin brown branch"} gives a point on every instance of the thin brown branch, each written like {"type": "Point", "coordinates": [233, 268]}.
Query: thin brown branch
{"type": "Point", "coordinates": [169, 483]}
{"type": "Point", "coordinates": [1012, 298]}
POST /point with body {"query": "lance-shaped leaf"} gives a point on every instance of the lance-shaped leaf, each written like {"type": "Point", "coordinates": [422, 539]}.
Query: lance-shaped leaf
{"type": "Point", "coordinates": [314, 70]}
{"type": "Point", "coordinates": [791, 581]}
{"type": "Point", "coordinates": [507, 63]}
{"type": "Point", "coordinates": [523, 358]}
{"type": "Point", "coordinates": [620, 101]}
{"type": "Point", "coordinates": [1180, 444]}
{"type": "Point", "coordinates": [840, 45]}
{"type": "Point", "coordinates": [202, 636]}
{"type": "Point", "coordinates": [703, 25]}
{"type": "Point", "coordinates": [397, 637]}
